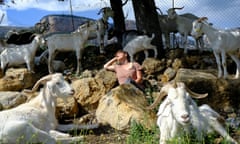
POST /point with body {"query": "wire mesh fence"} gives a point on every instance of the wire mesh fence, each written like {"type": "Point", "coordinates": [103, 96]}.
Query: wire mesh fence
{"type": "Point", "coordinates": [222, 13]}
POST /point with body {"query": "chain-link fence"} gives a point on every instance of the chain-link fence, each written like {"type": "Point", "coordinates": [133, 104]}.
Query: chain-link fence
{"type": "Point", "coordinates": [222, 13]}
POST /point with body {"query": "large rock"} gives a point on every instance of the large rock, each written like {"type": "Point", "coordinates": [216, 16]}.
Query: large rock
{"type": "Point", "coordinates": [89, 90]}
{"type": "Point", "coordinates": [10, 99]}
{"type": "Point", "coordinates": [18, 79]}
{"type": "Point", "coordinates": [68, 109]}
{"type": "Point", "coordinates": [123, 105]}
{"type": "Point", "coordinates": [222, 93]}
{"type": "Point", "coordinates": [152, 65]}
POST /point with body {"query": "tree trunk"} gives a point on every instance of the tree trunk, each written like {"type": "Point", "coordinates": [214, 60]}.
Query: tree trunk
{"type": "Point", "coordinates": [119, 21]}
{"type": "Point", "coordinates": [147, 20]}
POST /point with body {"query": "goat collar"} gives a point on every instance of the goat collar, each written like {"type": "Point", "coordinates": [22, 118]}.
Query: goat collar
{"type": "Point", "coordinates": [199, 30]}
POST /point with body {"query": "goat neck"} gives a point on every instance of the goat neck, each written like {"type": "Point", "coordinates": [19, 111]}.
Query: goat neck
{"type": "Point", "coordinates": [208, 29]}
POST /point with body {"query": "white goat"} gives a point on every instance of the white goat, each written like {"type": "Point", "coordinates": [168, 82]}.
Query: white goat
{"type": "Point", "coordinates": [184, 26]}
{"type": "Point", "coordinates": [100, 32]}
{"type": "Point", "coordinates": [140, 43]}
{"type": "Point", "coordinates": [222, 42]}
{"type": "Point", "coordinates": [58, 65]}
{"type": "Point", "coordinates": [178, 113]}
{"type": "Point", "coordinates": [35, 121]}
{"type": "Point", "coordinates": [69, 42]}
{"type": "Point", "coordinates": [20, 54]}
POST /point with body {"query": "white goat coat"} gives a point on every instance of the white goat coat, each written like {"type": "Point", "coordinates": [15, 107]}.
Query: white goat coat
{"type": "Point", "coordinates": [67, 42]}
{"type": "Point", "coordinates": [140, 43]}
{"type": "Point", "coordinates": [222, 42]}
{"type": "Point", "coordinates": [35, 120]}
{"type": "Point", "coordinates": [21, 54]}
{"type": "Point", "coordinates": [203, 120]}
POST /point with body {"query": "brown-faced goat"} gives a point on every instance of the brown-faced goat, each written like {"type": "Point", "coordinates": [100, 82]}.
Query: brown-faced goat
{"type": "Point", "coordinates": [140, 43]}
{"type": "Point", "coordinates": [21, 54]}
{"type": "Point", "coordinates": [178, 112]}
{"type": "Point", "coordinates": [222, 42]}
{"type": "Point", "coordinates": [35, 121]}
{"type": "Point", "coordinates": [74, 41]}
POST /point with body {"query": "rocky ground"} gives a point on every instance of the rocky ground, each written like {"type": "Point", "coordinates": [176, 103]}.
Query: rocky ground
{"type": "Point", "coordinates": [156, 72]}
{"type": "Point", "coordinates": [194, 60]}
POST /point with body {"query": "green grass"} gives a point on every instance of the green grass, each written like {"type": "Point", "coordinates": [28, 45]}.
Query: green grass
{"type": "Point", "coordinates": [140, 135]}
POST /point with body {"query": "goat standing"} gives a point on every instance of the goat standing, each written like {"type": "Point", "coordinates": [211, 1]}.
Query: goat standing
{"type": "Point", "coordinates": [222, 42]}
{"type": "Point", "coordinates": [20, 54]}
{"type": "Point", "coordinates": [74, 41]}
{"type": "Point", "coordinates": [179, 112]}
{"type": "Point", "coordinates": [100, 31]}
{"type": "Point", "coordinates": [184, 26]}
{"type": "Point", "coordinates": [140, 43]}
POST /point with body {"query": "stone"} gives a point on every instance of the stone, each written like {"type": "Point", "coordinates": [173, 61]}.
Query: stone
{"type": "Point", "coordinates": [90, 90]}
{"type": "Point", "coordinates": [10, 99]}
{"type": "Point", "coordinates": [17, 79]}
{"type": "Point", "coordinates": [123, 105]}
{"type": "Point", "coordinates": [152, 65]}
{"type": "Point", "coordinates": [222, 93]}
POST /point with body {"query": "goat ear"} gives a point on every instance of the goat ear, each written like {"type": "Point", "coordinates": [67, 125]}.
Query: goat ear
{"type": "Point", "coordinates": [52, 88]}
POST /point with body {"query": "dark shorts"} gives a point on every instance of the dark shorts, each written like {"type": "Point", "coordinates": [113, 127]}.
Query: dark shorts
{"type": "Point", "coordinates": [131, 81]}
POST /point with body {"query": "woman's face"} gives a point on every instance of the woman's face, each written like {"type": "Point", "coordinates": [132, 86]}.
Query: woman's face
{"type": "Point", "coordinates": [121, 56]}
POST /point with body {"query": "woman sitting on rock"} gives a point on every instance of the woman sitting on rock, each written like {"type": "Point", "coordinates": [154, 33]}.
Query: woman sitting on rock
{"type": "Point", "coordinates": [127, 72]}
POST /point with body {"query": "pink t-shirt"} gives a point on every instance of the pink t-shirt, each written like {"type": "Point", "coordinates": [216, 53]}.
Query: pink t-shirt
{"type": "Point", "coordinates": [124, 72]}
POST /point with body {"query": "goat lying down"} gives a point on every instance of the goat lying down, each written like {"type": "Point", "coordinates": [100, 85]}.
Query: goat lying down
{"type": "Point", "coordinates": [140, 43]}
{"type": "Point", "coordinates": [179, 112]}
{"type": "Point", "coordinates": [35, 121]}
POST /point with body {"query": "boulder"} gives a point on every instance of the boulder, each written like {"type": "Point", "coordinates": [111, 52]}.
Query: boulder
{"type": "Point", "coordinates": [123, 105]}
{"type": "Point", "coordinates": [10, 99]}
{"type": "Point", "coordinates": [89, 90]}
{"type": "Point", "coordinates": [68, 109]}
{"type": "Point", "coordinates": [17, 79]}
{"type": "Point", "coordinates": [152, 65]}
{"type": "Point", "coordinates": [222, 93]}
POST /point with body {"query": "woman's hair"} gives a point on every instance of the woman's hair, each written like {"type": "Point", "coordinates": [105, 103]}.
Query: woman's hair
{"type": "Point", "coordinates": [122, 51]}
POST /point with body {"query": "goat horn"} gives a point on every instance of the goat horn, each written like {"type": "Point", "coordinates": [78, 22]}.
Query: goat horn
{"type": "Point", "coordinates": [179, 8]}
{"type": "Point", "coordinates": [158, 99]}
{"type": "Point", "coordinates": [43, 80]}
{"type": "Point", "coordinates": [196, 95]}
{"type": "Point", "coordinates": [101, 10]}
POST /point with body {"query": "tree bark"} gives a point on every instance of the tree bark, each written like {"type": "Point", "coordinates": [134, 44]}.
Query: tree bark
{"type": "Point", "coordinates": [119, 20]}
{"type": "Point", "coordinates": [147, 20]}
